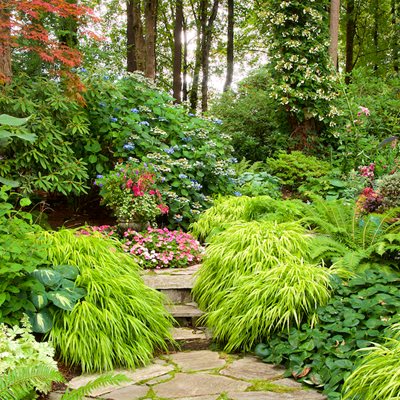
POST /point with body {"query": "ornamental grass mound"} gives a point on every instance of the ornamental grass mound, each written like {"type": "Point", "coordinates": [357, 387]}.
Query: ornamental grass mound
{"type": "Point", "coordinates": [269, 301]}
{"type": "Point", "coordinates": [121, 322]}
{"type": "Point", "coordinates": [377, 376]}
{"type": "Point", "coordinates": [244, 249]}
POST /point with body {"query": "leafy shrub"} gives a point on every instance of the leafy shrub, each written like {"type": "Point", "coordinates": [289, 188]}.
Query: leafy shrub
{"type": "Point", "coordinates": [389, 188]}
{"type": "Point", "coordinates": [258, 184]}
{"type": "Point", "coordinates": [294, 169]}
{"type": "Point", "coordinates": [251, 116]}
{"type": "Point", "coordinates": [324, 355]}
{"type": "Point", "coordinates": [20, 255]}
{"type": "Point", "coordinates": [376, 375]}
{"type": "Point", "coordinates": [59, 122]}
{"type": "Point", "coordinates": [228, 210]}
{"type": "Point", "coordinates": [244, 249]}
{"type": "Point", "coordinates": [267, 301]}
{"type": "Point", "coordinates": [162, 248]}
{"type": "Point", "coordinates": [131, 190]}
{"type": "Point", "coordinates": [120, 322]}
{"type": "Point", "coordinates": [19, 349]}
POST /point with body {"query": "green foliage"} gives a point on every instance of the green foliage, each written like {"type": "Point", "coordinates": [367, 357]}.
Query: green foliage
{"type": "Point", "coordinates": [59, 291]}
{"type": "Point", "coordinates": [296, 168]}
{"type": "Point", "coordinates": [20, 255]}
{"type": "Point", "coordinates": [19, 350]}
{"type": "Point", "coordinates": [324, 355]}
{"type": "Point", "coordinates": [389, 188]}
{"type": "Point", "coordinates": [120, 322]}
{"type": "Point", "coordinates": [251, 116]}
{"type": "Point", "coordinates": [228, 210]}
{"type": "Point", "coordinates": [258, 184]}
{"type": "Point", "coordinates": [242, 250]}
{"type": "Point", "coordinates": [376, 376]}
{"type": "Point", "coordinates": [59, 122]}
{"type": "Point", "coordinates": [260, 303]}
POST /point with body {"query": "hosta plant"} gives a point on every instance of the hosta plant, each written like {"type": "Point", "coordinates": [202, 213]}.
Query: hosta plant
{"type": "Point", "coordinates": [120, 321]}
{"type": "Point", "coordinates": [269, 301]}
{"type": "Point", "coordinates": [244, 249]}
{"type": "Point", "coordinates": [162, 248]}
{"type": "Point", "coordinates": [377, 373]}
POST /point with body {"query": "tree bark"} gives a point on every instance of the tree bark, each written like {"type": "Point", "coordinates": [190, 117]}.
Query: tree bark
{"type": "Point", "coordinates": [150, 15]}
{"type": "Point", "coordinates": [5, 46]}
{"type": "Point", "coordinates": [350, 33]}
{"type": "Point", "coordinates": [177, 63]}
{"type": "Point", "coordinates": [185, 62]}
{"type": "Point", "coordinates": [230, 45]}
{"type": "Point", "coordinates": [334, 31]}
{"type": "Point", "coordinates": [207, 27]}
{"type": "Point", "coordinates": [130, 37]}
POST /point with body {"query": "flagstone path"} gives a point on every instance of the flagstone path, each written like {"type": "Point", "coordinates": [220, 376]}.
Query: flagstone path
{"type": "Point", "coordinates": [202, 375]}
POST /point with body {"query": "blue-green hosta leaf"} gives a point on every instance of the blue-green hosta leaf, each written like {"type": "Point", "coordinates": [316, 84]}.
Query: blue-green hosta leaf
{"type": "Point", "coordinates": [39, 300]}
{"type": "Point", "coordinates": [67, 271]}
{"type": "Point", "coordinates": [9, 182]}
{"type": "Point", "coordinates": [41, 321]}
{"type": "Point", "coordinates": [12, 121]}
{"type": "Point", "coordinates": [63, 299]}
{"type": "Point", "coordinates": [47, 276]}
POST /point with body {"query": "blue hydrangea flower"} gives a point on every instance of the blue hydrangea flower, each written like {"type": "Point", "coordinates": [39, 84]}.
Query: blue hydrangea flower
{"type": "Point", "coordinates": [191, 115]}
{"type": "Point", "coordinates": [83, 70]}
{"type": "Point", "coordinates": [187, 139]}
{"type": "Point", "coordinates": [162, 119]}
{"type": "Point", "coordinates": [128, 146]}
{"type": "Point", "coordinates": [113, 119]}
{"type": "Point", "coordinates": [106, 77]}
{"type": "Point", "coordinates": [102, 104]}
{"type": "Point", "coordinates": [99, 176]}
{"type": "Point", "coordinates": [233, 160]}
{"type": "Point", "coordinates": [238, 194]}
{"type": "Point", "coordinates": [217, 121]}
{"type": "Point", "coordinates": [116, 109]}
{"type": "Point", "coordinates": [134, 110]}
{"type": "Point", "coordinates": [170, 150]}
{"type": "Point", "coordinates": [145, 123]}
{"type": "Point", "coordinates": [182, 176]}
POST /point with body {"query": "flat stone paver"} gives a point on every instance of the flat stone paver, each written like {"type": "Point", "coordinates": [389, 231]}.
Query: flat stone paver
{"type": "Point", "coordinates": [291, 383]}
{"type": "Point", "coordinates": [127, 393]}
{"type": "Point", "coordinates": [300, 395]}
{"type": "Point", "coordinates": [200, 384]}
{"type": "Point", "coordinates": [252, 368]}
{"type": "Point", "coordinates": [197, 360]}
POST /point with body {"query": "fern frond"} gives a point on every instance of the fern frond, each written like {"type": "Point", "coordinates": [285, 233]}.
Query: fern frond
{"type": "Point", "coordinates": [103, 380]}
{"type": "Point", "coordinates": [326, 248]}
{"type": "Point", "coordinates": [23, 380]}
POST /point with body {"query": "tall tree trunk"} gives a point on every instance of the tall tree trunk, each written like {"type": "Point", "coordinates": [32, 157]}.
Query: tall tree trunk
{"type": "Point", "coordinates": [5, 47]}
{"type": "Point", "coordinates": [206, 48]}
{"type": "Point", "coordinates": [230, 45]}
{"type": "Point", "coordinates": [130, 37]}
{"type": "Point", "coordinates": [194, 95]}
{"type": "Point", "coordinates": [395, 11]}
{"type": "Point", "coordinates": [150, 15]}
{"type": "Point", "coordinates": [334, 31]}
{"type": "Point", "coordinates": [177, 67]}
{"type": "Point", "coordinates": [185, 62]}
{"type": "Point", "coordinates": [350, 33]}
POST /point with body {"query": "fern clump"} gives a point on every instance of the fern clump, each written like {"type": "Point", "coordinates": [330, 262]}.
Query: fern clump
{"type": "Point", "coordinates": [389, 188]}
{"type": "Point", "coordinates": [268, 301]}
{"type": "Point", "coordinates": [378, 374]}
{"type": "Point", "coordinates": [121, 321]}
{"type": "Point", "coordinates": [243, 249]}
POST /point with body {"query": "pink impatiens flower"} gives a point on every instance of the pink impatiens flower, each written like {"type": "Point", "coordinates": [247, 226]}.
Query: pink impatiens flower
{"type": "Point", "coordinates": [363, 110]}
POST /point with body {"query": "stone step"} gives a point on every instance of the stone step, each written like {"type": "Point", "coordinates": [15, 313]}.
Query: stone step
{"type": "Point", "coordinates": [164, 281]}
{"type": "Point", "coordinates": [186, 315]}
{"type": "Point", "coordinates": [191, 338]}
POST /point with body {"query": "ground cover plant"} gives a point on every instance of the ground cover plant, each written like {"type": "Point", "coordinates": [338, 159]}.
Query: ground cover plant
{"type": "Point", "coordinates": [325, 354]}
{"type": "Point", "coordinates": [120, 321]}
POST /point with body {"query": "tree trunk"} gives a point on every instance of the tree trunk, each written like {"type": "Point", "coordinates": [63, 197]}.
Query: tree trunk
{"type": "Point", "coordinates": [396, 32]}
{"type": "Point", "coordinates": [5, 47]}
{"type": "Point", "coordinates": [130, 38]}
{"type": "Point", "coordinates": [185, 62]}
{"type": "Point", "coordinates": [207, 28]}
{"type": "Point", "coordinates": [177, 67]}
{"type": "Point", "coordinates": [150, 15]}
{"type": "Point", "coordinates": [194, 96]}
{"type": "Point", "coordinates": [230, 45]}
{"type": "Point", "coordinates": [350, 33]}
{"type": "Point", "coordinates": [334, 31]}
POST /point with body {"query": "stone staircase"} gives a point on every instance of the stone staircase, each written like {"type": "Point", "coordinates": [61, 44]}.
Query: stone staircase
{"type": "Point", "coordinates": [176, 284]}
